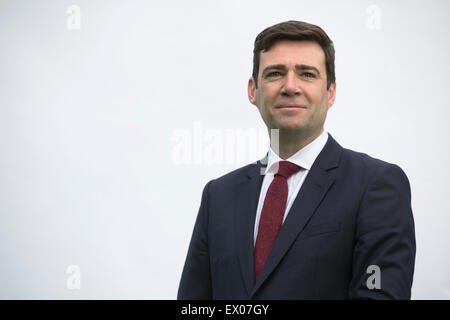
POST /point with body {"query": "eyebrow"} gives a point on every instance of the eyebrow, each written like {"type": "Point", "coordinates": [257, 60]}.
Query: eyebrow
{"type": "Point", "coordinates": [301, 67]}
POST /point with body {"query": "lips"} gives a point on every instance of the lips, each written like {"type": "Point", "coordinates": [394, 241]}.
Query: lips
{"type": "Point", "coordinates": [291, 106]}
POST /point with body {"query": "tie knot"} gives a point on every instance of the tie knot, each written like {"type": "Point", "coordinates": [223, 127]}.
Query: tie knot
{"type": "Point", "coordinates": [287, 169]}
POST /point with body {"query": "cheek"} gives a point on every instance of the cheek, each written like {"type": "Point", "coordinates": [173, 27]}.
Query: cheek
{"type": "Point", "coordinates": [264, 101]}
{"type": "Point", "coordinates": [312, 94]}
{"type": "Point", "coordinates": [316, 97]}
{"type": "Point", "coordinates": [269, 92]}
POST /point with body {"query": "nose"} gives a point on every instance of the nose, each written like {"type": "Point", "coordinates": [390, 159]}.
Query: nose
{"type": "Point", "coordinates": [290, 86]}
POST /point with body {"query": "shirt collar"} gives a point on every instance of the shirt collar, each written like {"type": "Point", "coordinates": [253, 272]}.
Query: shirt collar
{"type": "Point", "coordinates": [304, 157]}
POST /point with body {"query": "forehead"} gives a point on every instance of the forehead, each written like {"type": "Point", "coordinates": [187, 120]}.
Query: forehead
{"type": "Point", "coordinates": [290, 53]}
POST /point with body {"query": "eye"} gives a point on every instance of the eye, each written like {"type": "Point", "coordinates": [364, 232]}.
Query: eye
{"type": "Point", "coordinates": [274, 74]}
{"type": "Point", "coordinates": [309, 75]}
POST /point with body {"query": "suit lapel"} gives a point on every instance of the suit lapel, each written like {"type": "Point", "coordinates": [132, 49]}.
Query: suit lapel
{"type": "Point", "coordinates": [247, 196]}
{"type": "Point", "coordinates": [317, 183]}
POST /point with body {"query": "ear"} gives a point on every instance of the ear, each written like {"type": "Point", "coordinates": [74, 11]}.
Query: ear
{"type": "Point", "coordinates": [331, 94]}
{"type": "Point", "coordinates": [251, 91]}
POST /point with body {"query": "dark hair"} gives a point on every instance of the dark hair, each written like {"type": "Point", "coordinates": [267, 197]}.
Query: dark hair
{"type": "Point", "coordinates": [297, 31]}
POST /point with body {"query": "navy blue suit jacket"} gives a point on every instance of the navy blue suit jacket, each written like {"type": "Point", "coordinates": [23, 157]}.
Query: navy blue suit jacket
{"type": "Point", "coordinates": [352, 212]}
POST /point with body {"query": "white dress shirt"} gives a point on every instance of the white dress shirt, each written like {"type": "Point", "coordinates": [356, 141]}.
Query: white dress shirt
{"type": "Point", "coordinates": [304, 158]}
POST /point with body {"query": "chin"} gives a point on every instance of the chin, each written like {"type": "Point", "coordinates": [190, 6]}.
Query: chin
{"type": "Point", "coordinates": [290, 126]}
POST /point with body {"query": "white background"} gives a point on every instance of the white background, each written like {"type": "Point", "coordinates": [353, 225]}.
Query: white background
{"type": "Point", "coordinates": [89, 119]}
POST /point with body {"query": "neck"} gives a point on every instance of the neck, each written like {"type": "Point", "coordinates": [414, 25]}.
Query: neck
{"type": "Point", "coordinates": [290, 142]}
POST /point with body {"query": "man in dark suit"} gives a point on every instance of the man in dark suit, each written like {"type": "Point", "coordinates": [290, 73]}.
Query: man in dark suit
{"type": "Point", "coordinates": [311, 220]}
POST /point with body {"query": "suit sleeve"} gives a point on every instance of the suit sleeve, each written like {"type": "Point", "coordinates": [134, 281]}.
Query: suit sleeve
{"type": "Point", "coordinates": [195, 280]}
{"type": "Point", "coordinates": [384, 253]}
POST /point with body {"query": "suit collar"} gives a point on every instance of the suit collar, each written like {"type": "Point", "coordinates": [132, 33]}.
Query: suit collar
{"type": "Point", "coordinates": [330, 155]}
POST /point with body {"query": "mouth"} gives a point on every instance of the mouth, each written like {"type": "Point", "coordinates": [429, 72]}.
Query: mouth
{"type": "Point", "coordinates": [290, 107]}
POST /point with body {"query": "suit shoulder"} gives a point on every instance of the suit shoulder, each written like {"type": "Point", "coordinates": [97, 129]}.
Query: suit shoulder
{"type": "Point", "coordinates": [228, 181]}
{"type": "Point", "coordinates": [233, 177]}
{"type": "Point", "coordinates": [356, 157]}
{"type": "Point", "coordinates": [368, 164]}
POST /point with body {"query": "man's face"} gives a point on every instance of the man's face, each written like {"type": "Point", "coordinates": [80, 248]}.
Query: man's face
{"type": "Point", "coordinates": [292, 90]}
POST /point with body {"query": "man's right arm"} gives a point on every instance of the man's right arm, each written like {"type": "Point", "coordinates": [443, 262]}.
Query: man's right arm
{"type": "Point", "coordinates": [195, 281]}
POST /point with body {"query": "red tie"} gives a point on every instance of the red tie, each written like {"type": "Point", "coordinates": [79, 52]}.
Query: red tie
{"type": "Point", "coordinates": [272, 213]}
